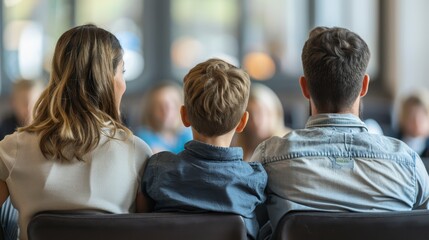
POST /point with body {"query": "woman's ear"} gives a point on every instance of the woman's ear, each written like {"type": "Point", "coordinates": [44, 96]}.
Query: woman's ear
{"type": "Point", "coordinates": [184, 116]}
{"type": "Point", "coordinates": [243, 121]}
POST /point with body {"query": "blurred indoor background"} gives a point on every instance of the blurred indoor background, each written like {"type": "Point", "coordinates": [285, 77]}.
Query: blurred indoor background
{"type": "Point", "coordinates": [163, 39]}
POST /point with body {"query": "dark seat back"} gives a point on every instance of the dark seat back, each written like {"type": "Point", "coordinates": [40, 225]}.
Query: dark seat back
{"type": "Point", "coordinates": [353, 226]}
{"type": "Point", "coordinates": [426, 163]}
{"type": "Point", "coordinates": [141, 226]}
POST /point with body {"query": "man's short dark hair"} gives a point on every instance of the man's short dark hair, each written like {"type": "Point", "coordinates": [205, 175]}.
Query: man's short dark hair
{"type": "Point", "coordinates": [334, 62]}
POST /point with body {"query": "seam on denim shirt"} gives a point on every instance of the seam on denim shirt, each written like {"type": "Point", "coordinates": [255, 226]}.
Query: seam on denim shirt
{"type": "Point", "coordinates": [293, 155]}
{"type": "Point", "coordinates": [414, 180]}
{"type": "Point", "coordinates": [346, 144]}
{"type": "Point", "coordinates": [259, 184]}
{"type": "Point", "coordinates": [263, 155]}
{"type": "Point", "coordinates": [258, 167]}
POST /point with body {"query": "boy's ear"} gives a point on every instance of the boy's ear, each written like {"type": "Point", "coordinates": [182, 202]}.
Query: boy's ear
{"type": "Point", "coordinates": [243, 121]}
{"type": "Point", "coordinates": [184, 116]}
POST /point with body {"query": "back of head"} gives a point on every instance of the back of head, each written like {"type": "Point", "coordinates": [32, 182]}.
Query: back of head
{"type": "Point", "coordinates": [80, 98]}
{"type": "Point", "coordinates": [334, 62]}
{"type": "Point", "coordinates": [266, 119]}
{"type": "Point", "coordinates": [263, 94]}
{"type": "Point", "coordinates": [216, 95]}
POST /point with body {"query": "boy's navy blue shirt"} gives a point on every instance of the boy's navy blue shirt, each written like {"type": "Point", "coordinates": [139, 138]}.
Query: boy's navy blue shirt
{"type": "Point", "coordinates": [204, 177]}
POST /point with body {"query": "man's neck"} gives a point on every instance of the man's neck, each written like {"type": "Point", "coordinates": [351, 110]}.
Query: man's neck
{"type": "Point", "coordinates": [355, 109]}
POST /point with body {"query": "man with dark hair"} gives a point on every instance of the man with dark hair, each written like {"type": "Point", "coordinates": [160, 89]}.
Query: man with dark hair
{"type": "Point", "coordinates": [334, 164]}
{"type": "Point", "coordinates": [334, 62]}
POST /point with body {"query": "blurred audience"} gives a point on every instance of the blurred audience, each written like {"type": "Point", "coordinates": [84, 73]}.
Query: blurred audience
{"type": "Point", "coordinates": [24, 95]}
{"type": "Point", "coordinates": [414, 122]}
{"type": "Point", "coordinates": [266, 119]}
{"type": "Point", "coordinates": [161, 127]}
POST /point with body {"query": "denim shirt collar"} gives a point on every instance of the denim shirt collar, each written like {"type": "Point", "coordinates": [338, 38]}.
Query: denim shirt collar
{"type": "Point", "coordinates": [335, 120]}
{"type": "Point", "coordinates": [210, 152]}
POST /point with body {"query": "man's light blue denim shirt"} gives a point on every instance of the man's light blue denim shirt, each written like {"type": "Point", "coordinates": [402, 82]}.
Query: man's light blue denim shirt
{"type": "Point", "coordinates": [204, 177]}
{"type": "Point", "coordinates": [334, 164]}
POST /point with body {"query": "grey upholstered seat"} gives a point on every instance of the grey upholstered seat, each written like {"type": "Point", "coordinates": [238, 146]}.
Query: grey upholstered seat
{"type": "Point", "coordinates": [142, 226]}
{"type": "Point", "coordinates": [353, 226]}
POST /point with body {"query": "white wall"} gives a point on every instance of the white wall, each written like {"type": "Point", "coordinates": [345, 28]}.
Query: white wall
{"type": "Point", "coordinates": [406, 48]}
{"type": "Point", "coordinates": [412, 34]}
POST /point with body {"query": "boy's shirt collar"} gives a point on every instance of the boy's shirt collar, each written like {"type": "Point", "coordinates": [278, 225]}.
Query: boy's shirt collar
{"type": "Point", "coordinates": [211, 152]}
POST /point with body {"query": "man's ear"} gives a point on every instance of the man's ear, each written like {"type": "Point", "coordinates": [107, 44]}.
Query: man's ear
{"type": "Point", "coordinates": [184, 116]}
{"type": "Point", "coordinates": [304, 87]}
{"type": "Point", "coordinates": [365, 85]}
{"type": "Point", "coordinates": [243, 121]}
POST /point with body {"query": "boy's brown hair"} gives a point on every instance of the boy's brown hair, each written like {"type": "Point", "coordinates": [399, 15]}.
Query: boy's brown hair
{"type": "Point", "coordinates": [216, 95]}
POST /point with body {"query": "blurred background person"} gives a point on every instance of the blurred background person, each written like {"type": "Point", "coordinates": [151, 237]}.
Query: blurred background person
{"type": "Point", "coordinates": [414, 122]}
{"type": "Point", "coordinates": [266, 119]}
{"type": "Point", "coordinates": [24, 95]}
{"type": "Point", "coordinates": [161, 126]}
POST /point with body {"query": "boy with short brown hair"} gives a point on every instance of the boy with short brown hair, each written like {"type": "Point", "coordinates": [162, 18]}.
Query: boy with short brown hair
{"type": "Point", "coordinates": [209, 175]}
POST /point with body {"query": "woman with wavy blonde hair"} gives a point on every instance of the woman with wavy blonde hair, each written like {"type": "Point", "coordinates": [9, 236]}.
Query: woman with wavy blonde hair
{"type": "Point", "coordinates": [76, 154]}
{"type": "Point", "coordinates": [266, 119]}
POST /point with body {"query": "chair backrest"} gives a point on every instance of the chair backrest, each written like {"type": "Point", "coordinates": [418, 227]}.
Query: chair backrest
{"type": "Point", "coordinates": [353, 226]}
{"type": "Point", "coordinates": [426, 163]}
{"type": "Point", "coordinates": [147, 226]}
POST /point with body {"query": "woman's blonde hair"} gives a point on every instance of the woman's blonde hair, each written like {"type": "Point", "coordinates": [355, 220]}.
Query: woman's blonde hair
{"type": "Point", "coordinates": [249, 139]}
{"type": "Point", "coordinates": [79, 101]}
{"type": "Point", "coordinates": [263, 94]}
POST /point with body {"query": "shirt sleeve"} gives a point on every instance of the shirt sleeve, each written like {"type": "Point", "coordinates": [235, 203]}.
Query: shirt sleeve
{"type": "Point", "coordinates": [260, 181]}
{"type": "Point", "coordinates": [148, 177]}
{"type": "Point", "coordinates": [8, 151]}
{"type": "Point", "coordinates": [422, 185]}
{"type": "Point", "coordinates": [143, 152]}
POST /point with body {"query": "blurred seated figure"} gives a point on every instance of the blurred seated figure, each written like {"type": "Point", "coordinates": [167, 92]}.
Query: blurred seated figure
{"type": "Point", "coordinates": [266, 119]}
{"type": "Point", "coordinates": [414, 122]}
{"type": "Point", "coordinates": [161, 127]}
{"type": "Point", "coordinates": [24, 95]}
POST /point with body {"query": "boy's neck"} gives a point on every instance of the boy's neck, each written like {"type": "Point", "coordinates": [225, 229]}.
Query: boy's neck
{"type": "Point", "coordinates": [220, 141]}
